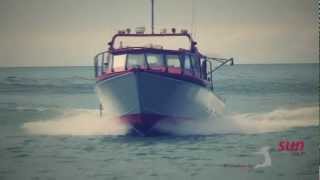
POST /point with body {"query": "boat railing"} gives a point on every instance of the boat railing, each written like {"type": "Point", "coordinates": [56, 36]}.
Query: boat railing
{"type": "Point", "coordinates": [210, 69]}
{"type": "Point", "coordinates": [101, 62]}
{"type": "Point", "coordinates": [221, 62]}
{"type": "Point", "coordinates": [182, 34]}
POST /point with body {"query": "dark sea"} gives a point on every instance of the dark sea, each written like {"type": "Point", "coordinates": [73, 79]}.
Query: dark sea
{"type": "Point", "coordinates": [50, 129]}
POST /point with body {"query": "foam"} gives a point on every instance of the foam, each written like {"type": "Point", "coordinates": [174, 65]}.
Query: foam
{"type": "Point", "coordinates": [76, 122]}
{"type": "Point", "coordinates": [247, 123]}
{"type": "Point", "coordinates": [88, 122]}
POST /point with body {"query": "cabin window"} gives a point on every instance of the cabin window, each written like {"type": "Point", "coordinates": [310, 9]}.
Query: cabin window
{"type": "Point", "coordinates": [136, 61]}
{"type": "Point", "coordinates": [195, 65]}
{"type": "Point", "coordinates": [173, 64]}
{"type": "Point", "coordinates": [187, 63]}
{"type": "Point", "coordinates": [195, 62]}
{"type": "Point", "coordinates": [203, 68]}
{"type": "Point", "coordinates": [119, 62]}
{"type": "Point", "coordinates": [155, 60]}
{"type": "Point", "coordinates": [173, 61]}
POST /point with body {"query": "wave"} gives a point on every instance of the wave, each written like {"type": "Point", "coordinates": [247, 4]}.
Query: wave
{"type": "Point", "coordinates": [88, 122]}
{"type": "Point", "coordinates": [64, 84]}
{"type": "Point", "coordinates": [15, 79]}
{"type": "Point", "coordinates": [277, 120]}
{"type": "Point", "coordinates": [249, 123]}
{"type": "Point", "coordinates": [7, 106]}
{"type": "Point", "coordinates": [76, 122]}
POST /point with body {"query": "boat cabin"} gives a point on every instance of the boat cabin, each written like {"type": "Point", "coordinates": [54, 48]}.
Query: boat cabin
{"type": "Point", "coordinates": [182, 63]}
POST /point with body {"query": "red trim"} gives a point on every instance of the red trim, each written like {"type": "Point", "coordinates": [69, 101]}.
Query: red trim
{"type": "Point", "coordinates": [110, 75]}
{"type": "Point", "coordinates": [174, 70]}
{"type": "Point", "coordinates": [175, 75]}
{"type": "Point", "coordinates": [187, 72]}
{"type": "Point", "coordinates": [158, 68]}
{"type": "Point", "coordinates": [119, 69]}
{"type": "Point", "coordinates": [144, 122]}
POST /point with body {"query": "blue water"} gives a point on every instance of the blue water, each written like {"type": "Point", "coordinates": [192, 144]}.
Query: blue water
{"type": "Point", "coordinates": [50, 128]}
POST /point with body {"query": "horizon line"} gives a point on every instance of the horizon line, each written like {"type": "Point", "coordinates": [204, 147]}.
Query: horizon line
{"type": "Point", "coordinates": [58, 66]}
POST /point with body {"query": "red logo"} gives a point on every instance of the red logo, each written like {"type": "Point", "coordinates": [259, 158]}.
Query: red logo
{"type": "Point", "coordinates": [291, 146]}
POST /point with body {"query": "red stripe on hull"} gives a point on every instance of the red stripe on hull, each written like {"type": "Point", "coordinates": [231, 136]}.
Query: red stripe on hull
{"type": "Point", "coordinates": [172, 74]}
{"type": "Point", "coordinates": [142, 123]}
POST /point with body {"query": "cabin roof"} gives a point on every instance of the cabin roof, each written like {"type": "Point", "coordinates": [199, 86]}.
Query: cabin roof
{"type": "Point", "coordinates": [138, 50]}
{"type": "Point", "coordinates": [184, 34]}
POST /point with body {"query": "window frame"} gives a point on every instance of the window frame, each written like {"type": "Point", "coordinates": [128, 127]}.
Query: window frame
{"type": "Point", "coordinates": [162, 56]}
{"type": "Point", "coordinates": [180, 68]}
{"type": "Point", "coordinates": [182, 57]}
{"type": "Point", "coordinates": [145, 64]}
{"type": "Point", "coordinates": [191, 70]}
{"type": "Point", "coordinates": [196, 67]}
{"type": "Point", "coordinates": [125, 62]}
{"type": "Point", "coordinates": [179, 58]}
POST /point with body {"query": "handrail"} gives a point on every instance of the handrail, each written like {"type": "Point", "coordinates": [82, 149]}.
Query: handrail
{"type": "Point", "coordinates": [192, 42]}
{"type": "Point", "coordinates": [100, 62]}
{"type": "Point", "coordinates": [223, 61]}
{"type": "Point", "coordinates": [99, 54]}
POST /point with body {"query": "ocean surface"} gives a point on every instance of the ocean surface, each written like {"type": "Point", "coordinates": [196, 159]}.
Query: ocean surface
{"type": "Point", "coordinates": [50, 129]}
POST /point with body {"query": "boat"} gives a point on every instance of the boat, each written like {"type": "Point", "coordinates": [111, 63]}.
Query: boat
{"type": "Point", "coordinates": [144, 86]}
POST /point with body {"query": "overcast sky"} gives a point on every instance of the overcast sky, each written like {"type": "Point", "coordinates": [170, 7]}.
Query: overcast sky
{"type": "Point", "coordinates": [71, 32]}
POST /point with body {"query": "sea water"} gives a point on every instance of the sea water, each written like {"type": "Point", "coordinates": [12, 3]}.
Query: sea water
{"type": "Point", "coordinates": [50, 129]}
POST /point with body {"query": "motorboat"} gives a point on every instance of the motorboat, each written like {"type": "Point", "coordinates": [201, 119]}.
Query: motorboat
{"type": "Point", "coordinates": [150, 84]}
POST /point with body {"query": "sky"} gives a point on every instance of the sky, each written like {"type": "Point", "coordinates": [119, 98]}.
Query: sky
{"type": "Point", "coordinates": [71, 32]}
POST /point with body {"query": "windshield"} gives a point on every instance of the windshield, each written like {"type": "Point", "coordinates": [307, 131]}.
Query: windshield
{"type": "Point", "coordinates": [157, 61]}
{"type": "Point", "coordinates": [136, 61]}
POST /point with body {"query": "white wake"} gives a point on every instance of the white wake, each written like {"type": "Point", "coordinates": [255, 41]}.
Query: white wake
{"type": "Point", "coordinates": [88, 122]}
{"type": "Point", "coordinates": [277, 120]}
{"type": "Point", "coordinates": [76, 122]}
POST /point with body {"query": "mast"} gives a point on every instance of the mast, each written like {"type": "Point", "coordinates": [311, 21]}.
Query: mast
{"type": "Point", "coordinates": [152, 16]}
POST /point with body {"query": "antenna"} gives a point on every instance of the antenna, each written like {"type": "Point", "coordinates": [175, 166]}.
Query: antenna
{"type": "Point", "coordinates": [193, 28]}
{"type": "Point", "coordinates": [152, 16]}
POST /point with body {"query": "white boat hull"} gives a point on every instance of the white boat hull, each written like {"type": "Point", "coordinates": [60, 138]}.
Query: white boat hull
{"type": "Point", "coordinates": [142, 99]}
